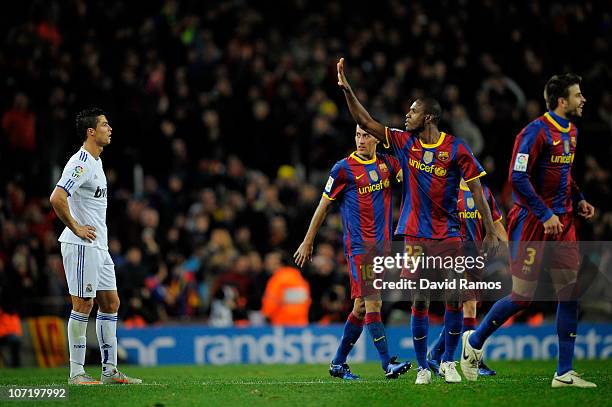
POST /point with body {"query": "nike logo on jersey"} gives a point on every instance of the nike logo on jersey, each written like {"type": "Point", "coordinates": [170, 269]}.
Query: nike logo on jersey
{"type": "Point", "coordinates": [572, 335]}
{"type": "Point", "coordinates": [379, 339]}
{"type": "Point", "coordinates": [416, 149]}
{"type": "Point", "coordinates": [494, 322]}
{"type": "Point", "coordinates": [565, 381]}
{"type": "Point", "coordinates": [555, 142]}
{"type": "Point", "coordinates": [421, 338]}
{"type": "Point", "coordinates": [459, 200]}
{"type": "Point", "coordinates": [359, 176]}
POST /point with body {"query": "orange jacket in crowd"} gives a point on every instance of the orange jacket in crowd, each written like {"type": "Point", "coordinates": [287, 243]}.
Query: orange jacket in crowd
{"type": "Point", "coordinates": [287, 298]}
{"type": "Point", "coordinates": [10, 324]}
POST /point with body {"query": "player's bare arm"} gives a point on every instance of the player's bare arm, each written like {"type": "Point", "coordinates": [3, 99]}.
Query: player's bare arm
{"type": "Point", "coordinates": [359, 113]}
{"type": "Point", "coordinates": [59, 201]}
{"type": "Point", "coordinates": [304, 252]}
{"type": "Point", "coordinates": [490, 240]}
{"type": "Point", "coordinates": [500, 231]}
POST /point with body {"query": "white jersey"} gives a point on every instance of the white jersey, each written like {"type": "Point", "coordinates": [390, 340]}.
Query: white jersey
{"type": "Point", "coordinates": [84, 180]}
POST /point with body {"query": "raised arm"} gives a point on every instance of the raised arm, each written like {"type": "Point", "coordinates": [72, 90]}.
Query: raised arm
{"type": "Point", "coordinates": [59, 201]}
{"type": "Point", "coordinates": [304, 252]}
{"type": "Point", "coordinates": [361, 116]}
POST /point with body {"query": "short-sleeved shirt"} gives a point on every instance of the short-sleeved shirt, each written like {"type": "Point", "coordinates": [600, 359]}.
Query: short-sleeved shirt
{"type": "Point", "coordinates": [84, 180]}
{"type": "Point", "coordinates": [364, 190]}
{"type": "Point", "coordinates": [432, 173]}
{"type": "Point", "coordinates": [472, 227]}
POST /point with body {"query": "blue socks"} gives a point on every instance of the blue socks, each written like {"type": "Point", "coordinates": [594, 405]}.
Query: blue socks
{"type": "Point", "coordinates": [352, 331]}
{"type": "Point", "coordinates": [567, 324]}
{"type": "Point", "coordinates": [497, 316]}
{"type": "Point", "coordinates": [469, 324]}
{"type": "Point", "coordinates": [419, 323]}
{"type": "Point", "coordinates": [438, 348]}
{"type": "Point", "coordinates": [376, 329]}
{"type": "Point", "coordinates": [453, 321]}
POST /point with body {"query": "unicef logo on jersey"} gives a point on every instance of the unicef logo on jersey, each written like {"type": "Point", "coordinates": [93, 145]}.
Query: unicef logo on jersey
{"type": "Point", "coordinates": [100, 193]}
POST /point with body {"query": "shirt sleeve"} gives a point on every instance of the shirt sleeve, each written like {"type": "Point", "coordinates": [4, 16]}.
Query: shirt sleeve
{"type": "Point", "coordinates": [395, 139]}
{"type": "Point", "coordinates": [75, 173]}
{"type": "Point", "coordinates": [495, 212]}
{"type": "Point", "coordinates": [577, 194]}
{"type": "Point", "coordinates": [336, 183]}
{"type": "Point", "coordinates": [396, 167]}
{"type": "Point", "coordinates": [528, 145]}
{"type": "Point", "coordinates": [468, 164]}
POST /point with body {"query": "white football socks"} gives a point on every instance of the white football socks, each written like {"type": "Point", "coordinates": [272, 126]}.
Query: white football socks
{"type": "Point", "coordinates": [77, 341]}
{"type": "Point", "coordinates": [106, 329]}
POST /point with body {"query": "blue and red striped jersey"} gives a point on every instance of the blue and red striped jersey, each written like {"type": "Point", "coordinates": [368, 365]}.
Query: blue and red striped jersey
{"type": "Point", "coordinates": [472, 228]}
{"type": "Point", "coordinates": [432, 173]}
{"type": "Point", "coordinates": [364, 190]}
{"type": "Point", "coordinates": [541, 165]}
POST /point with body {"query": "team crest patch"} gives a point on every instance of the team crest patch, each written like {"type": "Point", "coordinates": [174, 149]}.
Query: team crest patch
{"type": "Point", "coordinates": [443, 155]}
{"type": "Point", "coordinates": [88, 288]}
{"type": "Point", "coordinates": [470, 202]}
{"type": "Point", "coordinates": [383, 167]}
{"type": "Point", "coordinates": [373, 175]}
{"type": "Point", "coordinates": [573, 141]}
{"type": "Point", "coordinates": [78, 171]}
{"type": "Point", "coordinates": [328, 186]}
{"type": "Point", "coordinates": [427, 157]}
{"type": "Point", "coordinates": [566, 147]}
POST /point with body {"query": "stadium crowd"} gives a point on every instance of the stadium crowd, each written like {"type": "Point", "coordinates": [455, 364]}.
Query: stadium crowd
{"type": "Point", "coordinates": [226, 118]}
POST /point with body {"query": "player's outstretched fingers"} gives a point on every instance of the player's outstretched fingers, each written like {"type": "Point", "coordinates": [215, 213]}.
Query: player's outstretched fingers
{"type": "Point", "coordinates": [341, 78]}
{"type": "Point", "coordinates": [298, 258]}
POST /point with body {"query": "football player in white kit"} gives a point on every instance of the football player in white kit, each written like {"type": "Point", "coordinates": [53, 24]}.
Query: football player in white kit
{"type": "Point", "coordinates": [79, 200]}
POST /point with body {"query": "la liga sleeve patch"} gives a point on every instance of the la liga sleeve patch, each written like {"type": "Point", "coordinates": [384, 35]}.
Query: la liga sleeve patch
{"type": "Point", "coordinates": [78, 171]}
{"type": "Point", "coordinates": [328, 186]}
{"type": "Point", "coordinates": [520, 163]}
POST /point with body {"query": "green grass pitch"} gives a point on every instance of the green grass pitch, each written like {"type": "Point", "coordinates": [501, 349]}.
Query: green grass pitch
{"type": "Point", "coordinates": [518, 383]}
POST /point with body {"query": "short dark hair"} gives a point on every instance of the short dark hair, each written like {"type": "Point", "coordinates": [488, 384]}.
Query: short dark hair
{"type": "Point", "coordinates": [431, 107]}
{"type": "Point", "coordinates": [85, 119]}
{"type": "Point", "coordinates": [558, 87]}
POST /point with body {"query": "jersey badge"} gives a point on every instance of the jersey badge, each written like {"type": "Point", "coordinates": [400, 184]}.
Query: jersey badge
{"type": "Point", "coordinates": [78, 171]}
{"type": "Point", "coordinates": [520, 163]}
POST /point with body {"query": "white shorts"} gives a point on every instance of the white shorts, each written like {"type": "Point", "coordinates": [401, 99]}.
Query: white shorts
{"type": "Point", "coordinates": [88, 269]}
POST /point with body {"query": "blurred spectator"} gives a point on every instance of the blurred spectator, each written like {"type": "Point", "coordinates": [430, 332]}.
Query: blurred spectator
{"type": "Point", "coordinates": [19, 125]}
{"type": "Point", "coordinates": [10, 338]}
{"type": "Point", "coordinates": [286, 300]}
{"type": "Point", "coordinates": [463, 127]}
